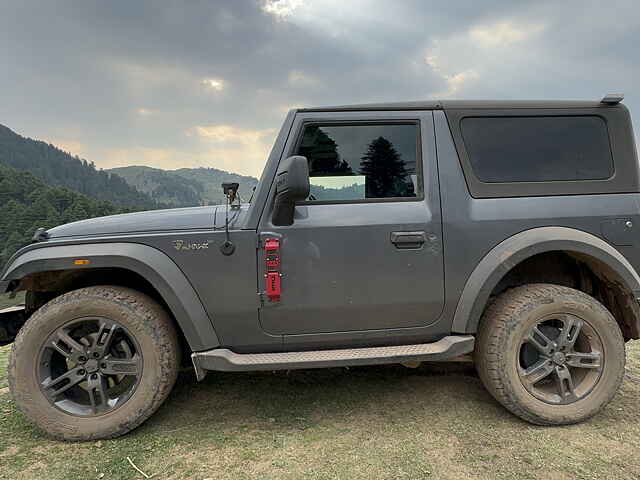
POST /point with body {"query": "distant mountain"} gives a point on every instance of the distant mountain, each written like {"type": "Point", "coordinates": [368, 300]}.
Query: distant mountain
{"type": "Point", "coordinates": [58, 168]}
{"type": "Point", "coordinates": [186, 186]}
{"type": "Point", "coordinates": [28, 203]}
{"type": "Point", "coordinates": [212, 179]}
{"type": "Point", "coordinates": [162, 185]}
{"type": "Point", "coordinates": [43, 186]}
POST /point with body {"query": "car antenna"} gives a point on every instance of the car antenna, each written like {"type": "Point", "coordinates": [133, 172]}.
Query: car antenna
{"type": "Point", "coordinates": [230, 190]}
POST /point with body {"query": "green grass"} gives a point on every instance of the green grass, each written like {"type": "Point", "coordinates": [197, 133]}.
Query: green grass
{"type": "Point", "coordinates": [4, 362]}
{"type": "Point", "coordinates": [363, 423]}
{"type": "Point", "coordinates": [6, 301]}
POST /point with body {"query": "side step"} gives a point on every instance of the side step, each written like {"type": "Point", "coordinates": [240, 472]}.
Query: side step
{"type": "Point", "coordinates": [225, 360]}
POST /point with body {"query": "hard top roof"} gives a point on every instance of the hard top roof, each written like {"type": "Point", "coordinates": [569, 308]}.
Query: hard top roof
{"type": "Point", "coordinates": [460, 104]}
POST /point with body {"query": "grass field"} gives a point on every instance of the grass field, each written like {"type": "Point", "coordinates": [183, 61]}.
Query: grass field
{"type": "Point", "coordinates": [364, 423]}
{"type": "Point", "coordinates": [6, 301]}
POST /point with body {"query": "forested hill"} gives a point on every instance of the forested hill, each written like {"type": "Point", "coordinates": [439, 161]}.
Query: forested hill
{"type": "Point", "coordinates": [28, 203]}
{"type": "Point", "coordinates": [58, 168]}
{"type": "Point", "coordinates": [42, 186]}
{"type": "Point", "coordinates": [185, 187]}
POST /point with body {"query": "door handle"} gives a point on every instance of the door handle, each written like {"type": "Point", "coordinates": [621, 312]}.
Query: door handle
{"type": "Point", "coordinates": [408, 240]}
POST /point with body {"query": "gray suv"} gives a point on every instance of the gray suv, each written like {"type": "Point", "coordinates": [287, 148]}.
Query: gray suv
{"type": "Point", "coordinates": [505, 232]}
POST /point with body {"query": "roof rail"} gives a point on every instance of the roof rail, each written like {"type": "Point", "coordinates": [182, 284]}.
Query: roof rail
{"type": "Point", "coordinates": [612, 98]}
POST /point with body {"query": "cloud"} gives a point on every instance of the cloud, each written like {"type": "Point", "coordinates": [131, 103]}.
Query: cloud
{"type": "Point", "coordinates": [502, 34]}
{"type": "Point", "coordinates": [145, 112]}
{"type": "Point", "coordinates": [480, 53]}
{"type": "Point", "coordinates": [235, 149]}
{"type": "Point", "coordinates": [140, 76]}
{"type": "Point", "coordinates": [226, 147]}
{"type": "Point", "coordinates": [281, 9]}
{"type": "Point", "coordinates": [131, 77]}
{"type": "Point", "coordinates": [298, 78]}
{"type": "Point", "coordinates": [455, 82]}
{"type": "Point", "coordinates": [216, 84]}
{"type": "Point", "coordinates": [230, 134]}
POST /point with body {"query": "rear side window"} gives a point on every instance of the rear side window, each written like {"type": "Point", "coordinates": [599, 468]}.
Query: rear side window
{"type": "Point", "coordinates": [538, 149]}
{"type": "Point", "coordinates": [362, 162]}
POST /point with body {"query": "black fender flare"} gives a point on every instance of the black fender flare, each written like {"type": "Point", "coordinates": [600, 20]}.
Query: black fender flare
{"type": "Point", "coordinates": [146, 261]}
{"type": "Point", "coordinates": [510, 252]}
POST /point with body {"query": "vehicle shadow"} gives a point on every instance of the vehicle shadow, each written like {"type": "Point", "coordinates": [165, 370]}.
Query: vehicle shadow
{"type": "Point", "coordinates": [303, 398]}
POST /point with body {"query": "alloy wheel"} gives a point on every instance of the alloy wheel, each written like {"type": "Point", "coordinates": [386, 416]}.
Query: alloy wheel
{"type": "Point", "coordinates": [561, 359]}
{"type": "Point", "coordinates": [89, 366]}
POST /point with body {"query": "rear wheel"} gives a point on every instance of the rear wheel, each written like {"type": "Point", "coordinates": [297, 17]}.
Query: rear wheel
{"type": "Point", "coordinates": [94, 363]}
{"type": "Point", "coordinates": [550, 354]}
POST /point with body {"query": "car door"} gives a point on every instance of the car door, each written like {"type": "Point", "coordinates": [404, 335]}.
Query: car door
{"type": "Point", "coordinates": [364, 251]}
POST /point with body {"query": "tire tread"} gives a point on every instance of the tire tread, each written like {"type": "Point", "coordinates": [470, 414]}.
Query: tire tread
{"type": "Point", "coordinates": [154, 319]}
{"type": "Point", "coordinates": [500, 317]}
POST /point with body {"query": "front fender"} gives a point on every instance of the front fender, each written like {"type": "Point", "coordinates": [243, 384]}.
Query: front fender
{"type": "Point", "coordinates": [150, 263]}
{"type": "Point", "coordinates": [509, 253]}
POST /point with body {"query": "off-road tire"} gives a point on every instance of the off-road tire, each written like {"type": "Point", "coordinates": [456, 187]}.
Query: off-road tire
{"type": "Point", "coordinates": [497, 345]}
{"type": "Point", "coordinates": [147, 321]}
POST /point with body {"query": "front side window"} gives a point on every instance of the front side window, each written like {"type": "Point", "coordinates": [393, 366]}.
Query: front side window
{"type": "Point", "coordinates": [538, 149]}
{"type": "Point", "coordinates": [361, 162]}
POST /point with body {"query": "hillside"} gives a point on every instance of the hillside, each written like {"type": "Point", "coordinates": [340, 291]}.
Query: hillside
{"type": "Point", "coordinates": [58, 168]}
{"type": "Point", "coordinates": [162, 186]}
{"type": "Point", "coordinates": [186, 186]}
{"type": "Point", "coordinates": [28, 203]}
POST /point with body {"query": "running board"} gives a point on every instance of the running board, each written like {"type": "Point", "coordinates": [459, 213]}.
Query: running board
{"type": "Point", "coordinates": [225, 360]}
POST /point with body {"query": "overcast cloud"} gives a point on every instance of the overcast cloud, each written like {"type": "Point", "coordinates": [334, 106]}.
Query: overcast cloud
{"type": "Point", "coordinates": [186, 84]}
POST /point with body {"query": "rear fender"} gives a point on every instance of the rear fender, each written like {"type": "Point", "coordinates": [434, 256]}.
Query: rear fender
{"type": "Point", "coordinates": [509, 253]}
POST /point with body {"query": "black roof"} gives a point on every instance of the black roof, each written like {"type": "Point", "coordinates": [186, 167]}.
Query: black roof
{"type": "Point", "coordinates": [459, 104]}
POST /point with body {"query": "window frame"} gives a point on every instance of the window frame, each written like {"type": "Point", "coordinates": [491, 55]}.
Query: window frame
{"type": "Point", "coordinates": [616, 124]}
{"type": "Point", "coordinates": [339, 123]}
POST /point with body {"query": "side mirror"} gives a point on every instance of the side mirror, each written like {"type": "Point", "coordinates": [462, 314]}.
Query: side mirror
{"type": "Point", "coordinates": [292, 185]}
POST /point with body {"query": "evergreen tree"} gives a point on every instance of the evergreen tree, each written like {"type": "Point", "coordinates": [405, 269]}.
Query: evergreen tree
{"type": "Point", "coordinates": [28, 204]}
{"type": "Point", "coordinates": [57, 168]}
{"type": "Point", "coordinates": [385, 171]}
{"type": "Point", "coordinates": [322, 153]}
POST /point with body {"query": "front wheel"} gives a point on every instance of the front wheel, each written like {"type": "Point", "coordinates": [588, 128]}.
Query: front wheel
{"type": "Point", "coordinates": [550, 354]}
{"type": "Point", "coordinates": [94, 363]}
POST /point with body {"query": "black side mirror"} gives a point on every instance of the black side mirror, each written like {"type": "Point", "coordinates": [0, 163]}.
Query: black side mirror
{"type": "Point", "coordinates": [292, 185]}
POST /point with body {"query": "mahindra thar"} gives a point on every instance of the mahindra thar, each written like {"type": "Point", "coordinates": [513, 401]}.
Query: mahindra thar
{"type": "Point", "coordinates": [506, 232]}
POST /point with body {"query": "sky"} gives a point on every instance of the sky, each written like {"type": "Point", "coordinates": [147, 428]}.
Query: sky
{"type": "Point", "coordinates": [173, 84]}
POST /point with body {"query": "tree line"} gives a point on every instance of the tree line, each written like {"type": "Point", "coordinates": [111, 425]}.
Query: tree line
{"type": "Point", "coordinates": [58, 168]}
{"type": "Point", "coordinates": [28, 203]}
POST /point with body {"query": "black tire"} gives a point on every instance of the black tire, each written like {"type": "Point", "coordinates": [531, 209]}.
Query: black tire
{"type": "Point", "coordinates": [136, 322]}
{"type": "Point", "coordinates": [510, 355]}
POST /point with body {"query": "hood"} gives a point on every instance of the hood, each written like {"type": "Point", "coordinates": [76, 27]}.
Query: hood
{"type": "Point", "coordinates": [236, 215]}
{"type": "Point", "coordinates": [151, 221]}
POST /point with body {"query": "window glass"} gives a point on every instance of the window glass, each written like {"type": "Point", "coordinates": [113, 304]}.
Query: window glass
{"type": "Point", "coordinates": [537, 149]}
{"type": "Point", "coordinates": [358, 162]}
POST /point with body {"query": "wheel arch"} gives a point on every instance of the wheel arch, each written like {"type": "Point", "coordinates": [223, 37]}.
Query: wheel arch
{"type": "Point", "coordinates": [148, 268]}
{"type": "Point", "coordinates": [609, 267]}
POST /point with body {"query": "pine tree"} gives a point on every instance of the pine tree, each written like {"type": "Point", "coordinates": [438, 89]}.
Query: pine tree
{"type": "Point", "coordinates": [322, 153]}
{"type": "Point", "coordinates": [385, 171]}
{"type": "Point", "coordinates": [28, 204]}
